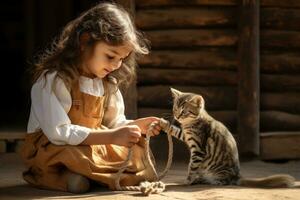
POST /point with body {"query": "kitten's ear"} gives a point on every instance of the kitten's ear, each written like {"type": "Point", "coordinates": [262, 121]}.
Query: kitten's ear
{"type": "Point", "coordinates": [175, 93]}
{"type": "Point", "coordinates": [198, 100]}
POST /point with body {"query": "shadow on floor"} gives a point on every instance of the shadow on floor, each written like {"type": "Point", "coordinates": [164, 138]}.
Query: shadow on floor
{"type": "Point", "coordinates": [13, 187]}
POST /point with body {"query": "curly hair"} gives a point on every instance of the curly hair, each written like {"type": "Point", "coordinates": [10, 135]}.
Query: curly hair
{"type": "Point", "coordinates": [105, 22]}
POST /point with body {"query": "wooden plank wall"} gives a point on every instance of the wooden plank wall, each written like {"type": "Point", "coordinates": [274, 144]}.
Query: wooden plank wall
{"type": "Point", "coordinates": [194, 48]}
{"type": "Point", "coordinates": [280, 79]}
{"type": "Point", "coordinates": [280, 66]}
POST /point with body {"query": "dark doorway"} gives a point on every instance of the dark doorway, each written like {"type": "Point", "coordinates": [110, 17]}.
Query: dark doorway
{"type": "Point", "coordinates": [27, 27]}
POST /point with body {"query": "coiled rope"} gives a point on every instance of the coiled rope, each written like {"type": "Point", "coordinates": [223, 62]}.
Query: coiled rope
{"type": "Point", "coordinates": [157, 186]}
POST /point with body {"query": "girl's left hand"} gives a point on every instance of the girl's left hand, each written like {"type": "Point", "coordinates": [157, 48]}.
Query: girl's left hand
{"type": "Point", "coordinates": [151, 123]}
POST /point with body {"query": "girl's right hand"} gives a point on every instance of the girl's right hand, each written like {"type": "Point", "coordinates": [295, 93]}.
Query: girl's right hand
{"type": "Point", "coordinates": [126, 135]}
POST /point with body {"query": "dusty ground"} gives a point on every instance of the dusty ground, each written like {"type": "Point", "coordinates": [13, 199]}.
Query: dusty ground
{"type": "Point", "coordinates": [13, 187]}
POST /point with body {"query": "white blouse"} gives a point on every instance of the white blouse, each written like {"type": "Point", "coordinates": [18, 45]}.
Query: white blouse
{"type": "Point", "coordinates": [51, 101]}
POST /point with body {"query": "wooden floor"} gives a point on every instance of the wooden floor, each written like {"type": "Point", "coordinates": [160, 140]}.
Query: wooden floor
{"type": "Point", "coordinates": [13, 187]}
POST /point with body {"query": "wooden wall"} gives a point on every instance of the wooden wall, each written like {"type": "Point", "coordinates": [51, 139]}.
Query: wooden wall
{"type": "Point", "coordinates": [195, 49]}
{"type": "Point", "coordinates": [280, 66]}
{"type": "Point", "coordinates": [280, 79]}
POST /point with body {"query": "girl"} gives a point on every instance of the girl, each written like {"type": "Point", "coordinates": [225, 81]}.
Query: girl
{"type": "Point", "coordinates": [77, 131]}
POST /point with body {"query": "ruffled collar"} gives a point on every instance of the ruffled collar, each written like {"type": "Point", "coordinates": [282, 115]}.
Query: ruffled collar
{"type": "Point", "coordinates": [91, 86]}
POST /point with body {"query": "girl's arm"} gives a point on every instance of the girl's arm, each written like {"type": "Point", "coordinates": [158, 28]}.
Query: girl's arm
{"type": "Point", "coordinates": [115, 117]}
{"type": "Point", "coordinates": [123, 136]}
{"type": "Point", "coordinates": [126, 135]}
{"type": "Point", "coordinates": [145, 123]}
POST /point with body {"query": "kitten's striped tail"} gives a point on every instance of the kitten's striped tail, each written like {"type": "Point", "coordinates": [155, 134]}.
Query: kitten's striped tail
{"type": "Point", "coordinates": [273, 181]}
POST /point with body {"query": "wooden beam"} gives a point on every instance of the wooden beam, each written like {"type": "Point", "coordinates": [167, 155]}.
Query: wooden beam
{"type": "Point", "coordinates": [279, 121]}
{"type": "Point", "coordinates": [159, 3]}
{"type": "Point", "coordinates": [192, 38]}
{"type": "Point", "coordinates": [280, 83]}
{"type": "Point", "coordinates": [283, 101]}
{"type": "Point", "coordinates": [130, 93]}
{"type": "Point", "coordinates": [12, 135]}
{"type": "Point", "coordinates": [215, 77]}
{"type": "Point", "coordinates": [280, 145]}
{"type": "Point", "coordinates": [284, 62]}
{"type": "Point", "coordinates": [248, 78]}
{"type": "Point", "coordinates": [187, 77]}
{"type": "Point", "coordinates": [283, 4]}
{"type": "Point", "coordinates": [265, 3]}
{"type": "Point", "coordinates": [271, 62]}
{"type": "Point", "coordinates": [186, 18]}
{"type": "Point", "coordinates": [216, 98]}
{"type": "Point", "coordinates": [204, 58]}
{"type": "Point", "coordinates": [280, 39]}
{"type": "Point", "coordinates": [280, 18]}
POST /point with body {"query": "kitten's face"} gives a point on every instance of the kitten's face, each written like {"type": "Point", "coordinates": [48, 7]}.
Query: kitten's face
{"type": "Point", "coordinates": [186, 106]}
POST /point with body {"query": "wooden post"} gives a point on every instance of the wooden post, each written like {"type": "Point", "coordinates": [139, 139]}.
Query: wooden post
{"type": "Point", "coordinates": [248, 78]}
{"type": "Point", "coordinates": [129, 94]}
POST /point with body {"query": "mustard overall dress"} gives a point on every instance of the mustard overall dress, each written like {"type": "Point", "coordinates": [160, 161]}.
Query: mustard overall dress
{"type": "Point", "coordinates": [47, 163]}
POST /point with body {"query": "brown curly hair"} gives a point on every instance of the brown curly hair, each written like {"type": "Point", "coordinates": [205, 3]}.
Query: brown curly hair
{"type": "Point", "coordinates": [106, 22]}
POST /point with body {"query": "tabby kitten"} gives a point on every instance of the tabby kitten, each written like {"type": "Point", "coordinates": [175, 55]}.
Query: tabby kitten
{"type": "Point", "coordinates": [213, 151]}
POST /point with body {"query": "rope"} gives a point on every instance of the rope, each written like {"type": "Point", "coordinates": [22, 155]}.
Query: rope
{"type": "Point", "coordinates": [147, 187]}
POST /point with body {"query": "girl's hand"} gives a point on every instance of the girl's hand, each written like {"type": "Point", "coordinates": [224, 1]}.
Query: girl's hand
{"type": "Point", "coordinates": [126, 135]}
{"type": "Point", "coordinates": [148, 123]}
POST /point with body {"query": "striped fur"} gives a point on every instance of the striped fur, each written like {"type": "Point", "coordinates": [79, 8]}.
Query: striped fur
{"type": "Point", "coordinates": [214, 156]}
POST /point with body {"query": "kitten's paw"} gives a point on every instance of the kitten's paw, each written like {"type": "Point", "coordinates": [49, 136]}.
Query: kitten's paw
{"type": "Point", "coordinates": [190, 179]}
{"type": "Point", "coordinates": [164, 124]}
{"type": "Point", "coordinates": [187, 182]}
{"type": "Point", "coordinates": [168, 128]}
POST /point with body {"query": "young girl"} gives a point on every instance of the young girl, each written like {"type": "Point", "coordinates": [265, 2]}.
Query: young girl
{"type": "Point", "coordinates": [77, 131]}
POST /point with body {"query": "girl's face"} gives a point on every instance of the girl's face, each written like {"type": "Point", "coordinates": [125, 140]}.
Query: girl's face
{"type": "Point", "coordinates": [103, 59]}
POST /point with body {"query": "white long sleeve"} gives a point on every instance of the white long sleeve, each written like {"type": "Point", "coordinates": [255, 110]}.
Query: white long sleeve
{"type": "Point", "coordinates": [51, 101]}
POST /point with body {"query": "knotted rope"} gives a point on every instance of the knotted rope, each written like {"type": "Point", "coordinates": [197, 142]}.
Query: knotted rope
{"type": "Point", "coordinates": [157, 186]}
